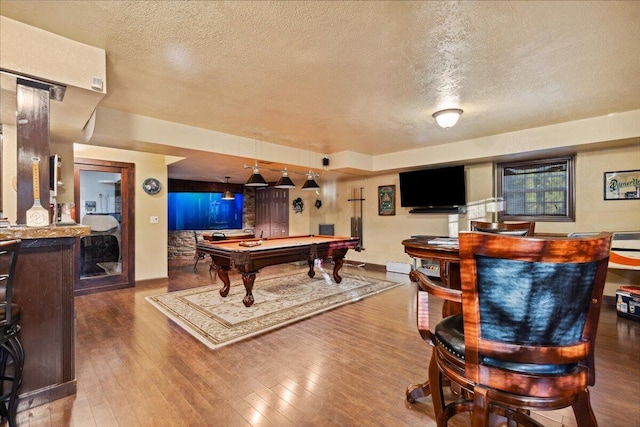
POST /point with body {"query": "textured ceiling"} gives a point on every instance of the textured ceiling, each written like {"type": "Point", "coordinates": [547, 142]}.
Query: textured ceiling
{"type": "Point", "coordinates": [360, 76]}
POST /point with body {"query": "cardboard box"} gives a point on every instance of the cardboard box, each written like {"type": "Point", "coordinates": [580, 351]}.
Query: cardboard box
{"type": "Point", "coordinates": [628, 302]}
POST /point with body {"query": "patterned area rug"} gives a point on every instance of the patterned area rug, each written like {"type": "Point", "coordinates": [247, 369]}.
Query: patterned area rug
{"type": "Point", "coordinates": [279, 300]}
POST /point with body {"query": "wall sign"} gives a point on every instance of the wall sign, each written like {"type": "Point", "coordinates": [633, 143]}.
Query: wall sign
{"type": "Point", "coordinates": [622, 185]}
{"type": "Point", "coordinates": [387, 200]}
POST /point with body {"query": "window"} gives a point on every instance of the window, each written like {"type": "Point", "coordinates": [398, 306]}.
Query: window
{"type": "Point", "coordinates": [537, 190]}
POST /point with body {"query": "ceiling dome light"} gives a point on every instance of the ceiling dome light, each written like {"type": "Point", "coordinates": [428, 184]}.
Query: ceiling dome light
{"type": "Point", "coordinates": [447, 118]}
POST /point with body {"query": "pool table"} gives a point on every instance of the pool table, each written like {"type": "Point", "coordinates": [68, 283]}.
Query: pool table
{"type": "Point", "coordinates": [249, 256]}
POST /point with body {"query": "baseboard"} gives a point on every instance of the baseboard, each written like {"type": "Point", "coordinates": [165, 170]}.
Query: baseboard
{"type": "Point", "coordinates": [368, 266]}
{"type": "Point", "coordinates": [398, 267]}
{"type": "Point", "coordinates": [45, 395]}
{"type": "Point", "coordinates": [151, 282]}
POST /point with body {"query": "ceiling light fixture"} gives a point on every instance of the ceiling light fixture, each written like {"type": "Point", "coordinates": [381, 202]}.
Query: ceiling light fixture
{"type": "Point", "coordinates": [228, 195]}
{"type": "Point", "coordinates": [285, 181]}
{"type": "Point", "coordinates": [310, 183]}
{"type": "Point", "coordinates": [447, 118]}
{"type": "Point", "coordinates": [256, 180]}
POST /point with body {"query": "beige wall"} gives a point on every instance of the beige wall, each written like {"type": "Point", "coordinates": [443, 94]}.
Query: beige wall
{"type": "Point", "coordinates": [38, 53]}
{"type": "Point", "coordinates": [300, 223]}
{"type": "Point", "coordinates": [150, 239]}
{"type": "Point", "coordinates": [382, 235]}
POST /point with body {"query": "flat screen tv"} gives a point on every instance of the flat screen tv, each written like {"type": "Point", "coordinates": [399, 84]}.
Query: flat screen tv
{"type": "Point", "coordinates": [433, 190]}
{"type": "Point", "coordinates": [204, 211]}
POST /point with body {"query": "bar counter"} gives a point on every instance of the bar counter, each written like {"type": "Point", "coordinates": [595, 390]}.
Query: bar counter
{"type": "Point", "coordinates": [46, 272]}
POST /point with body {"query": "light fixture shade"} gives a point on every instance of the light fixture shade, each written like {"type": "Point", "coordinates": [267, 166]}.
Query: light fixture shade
{"type": "Point", "coordinates": [285, 181]}
{"type": "Point", "coordinates": [256, 180]}
{"type": "Point", "coordinates": [228, 195]}
{"type": "Point", "coordinates": [447, 118]}
{"type": "Point", "coordinates": [310, 183]}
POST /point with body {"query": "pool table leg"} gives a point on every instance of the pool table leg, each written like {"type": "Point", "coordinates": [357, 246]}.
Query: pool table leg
{"type": "Point", "coordinates": [248, 279]}
{"type": "Point", "coordinates": [223, 274]}
{"type": "Point", "coordinates": [311, 272]}
{"type": "Point", "coordinates": [337, 265]}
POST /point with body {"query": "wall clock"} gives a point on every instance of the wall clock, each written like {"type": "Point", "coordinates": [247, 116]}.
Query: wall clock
{"type": "Point", "coordinates": [151, 186]}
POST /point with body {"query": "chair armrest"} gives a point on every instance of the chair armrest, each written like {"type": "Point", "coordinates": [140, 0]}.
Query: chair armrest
{"type": "Point", "coordinates": [427, 285]}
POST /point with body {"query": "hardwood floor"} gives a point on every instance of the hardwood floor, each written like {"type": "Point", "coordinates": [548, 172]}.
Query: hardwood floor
{"type": "Point", "coordinates": [346, 367]}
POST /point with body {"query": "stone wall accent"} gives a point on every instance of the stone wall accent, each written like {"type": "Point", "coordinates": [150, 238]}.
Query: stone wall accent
{"type": "Point", "coordinates": [182, 244]}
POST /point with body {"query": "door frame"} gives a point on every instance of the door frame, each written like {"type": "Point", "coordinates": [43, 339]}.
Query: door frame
{"type": "Point", "coordinates": [127, 173]}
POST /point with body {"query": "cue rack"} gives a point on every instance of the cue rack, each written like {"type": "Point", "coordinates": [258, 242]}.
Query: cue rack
{"type": "Point", "coordinates": [356, 219]}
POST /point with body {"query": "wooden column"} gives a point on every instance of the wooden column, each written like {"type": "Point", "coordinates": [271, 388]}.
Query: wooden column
{"type": "Point", "coordinates": [32, 114]}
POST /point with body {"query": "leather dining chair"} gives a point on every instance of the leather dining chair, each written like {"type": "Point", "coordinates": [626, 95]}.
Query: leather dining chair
{"type": "Point", "coordinates": [443, 289]}
{"type": "Point", "coordinates": [526, 337]}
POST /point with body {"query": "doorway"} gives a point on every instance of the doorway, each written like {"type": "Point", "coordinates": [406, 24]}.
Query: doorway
{"type": "Point", "coordinates": [104, 201]}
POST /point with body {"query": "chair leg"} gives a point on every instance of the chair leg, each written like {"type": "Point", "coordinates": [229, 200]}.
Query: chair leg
{"type": "Point", "coordinates": [435, 385]}
{"type": "Point", "coordinates": [582, 410]}
{"type": "Point", "coordinates": [4, 356]}
{"type": "Point", "coordinates": [197, 257]}
{"type": "Point", "coordinates": [12, 348]}
{"type": "Point", "coordinates": [480, 406]}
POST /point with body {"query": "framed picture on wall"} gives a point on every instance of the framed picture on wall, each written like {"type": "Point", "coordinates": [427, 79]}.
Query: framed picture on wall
{"type": "Point", "coordinates": [387, 200]}
{"type": "Point", "coordinates": [622, 185]}
{"type": "Point", "coordinates": [90, 206]}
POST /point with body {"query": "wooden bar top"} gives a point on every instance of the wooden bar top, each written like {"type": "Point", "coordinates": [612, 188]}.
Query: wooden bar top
{"type": "Point", "coordinates": [49, 232]}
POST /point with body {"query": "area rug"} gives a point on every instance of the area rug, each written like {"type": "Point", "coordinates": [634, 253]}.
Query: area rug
{"type": "Point", "coordinates": [279, 300]}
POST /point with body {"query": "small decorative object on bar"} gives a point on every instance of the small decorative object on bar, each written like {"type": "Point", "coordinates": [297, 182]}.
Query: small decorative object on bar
{"type": "Point", "coordinates": [151, 186]}
{"type": "Point", "coordinates": [622, 185]}
{"type": "Point", "coordinates": [387, 200]}
{"type": "Point", "coordinates": [37, 216]}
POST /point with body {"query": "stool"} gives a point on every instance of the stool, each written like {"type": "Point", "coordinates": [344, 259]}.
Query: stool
{"type": "Point", "coordinates": [11, 351]}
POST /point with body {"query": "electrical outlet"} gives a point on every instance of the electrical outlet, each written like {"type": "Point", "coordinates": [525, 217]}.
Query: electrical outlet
{"type": "Point", "coordinates": [153, 219]}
